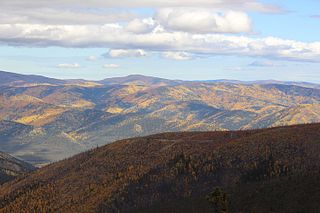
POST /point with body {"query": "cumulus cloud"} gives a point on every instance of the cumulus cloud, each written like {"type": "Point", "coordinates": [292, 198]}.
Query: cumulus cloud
{"type": "Point", "coordinates": [204, 20]}
{"type": "Point", "coordinates": [69, 66]}
{"type": "Point", "coordinates": [125, 44]}
{"type": "Point", "coordinates": [123, 53]}
{"type": "Point", "coordinates": [180, 29]}
{"type": "Point", "coordinates": [111, 66]}
{"type": "Point", "coordinates": [141, 25]}
{"type": "Point", "coordinates": [180, 56]}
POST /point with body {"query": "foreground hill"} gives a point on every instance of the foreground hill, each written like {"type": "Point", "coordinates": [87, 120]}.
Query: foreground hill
{"type": "Point", "coordinates": [11, 167]}
{"type": "Point", "coordinates": [269, 170]}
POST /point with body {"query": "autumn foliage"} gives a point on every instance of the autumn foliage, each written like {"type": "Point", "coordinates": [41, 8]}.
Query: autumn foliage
{"type": "Point", "coordinates": [255, 170]}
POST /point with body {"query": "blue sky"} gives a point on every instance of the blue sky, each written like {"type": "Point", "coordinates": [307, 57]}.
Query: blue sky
{"type": "Point", "coordinates": [256, 40]}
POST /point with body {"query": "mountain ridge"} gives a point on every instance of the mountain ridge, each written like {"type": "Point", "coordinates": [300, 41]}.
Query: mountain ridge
{"type": "Point", "coordinates": [49, 122]}
{"type": "Point", "coordinates": [139, 174]}
{"type": "Point", "coordinates": [128, 78]}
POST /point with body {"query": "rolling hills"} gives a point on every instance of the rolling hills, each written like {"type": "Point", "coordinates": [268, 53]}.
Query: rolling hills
{"type": "Point", "coordinates": [266, 170]}
{"type": "Point", "coordinates": [44, 120]}
{"type": "Point", "coordinates": [14, 79]}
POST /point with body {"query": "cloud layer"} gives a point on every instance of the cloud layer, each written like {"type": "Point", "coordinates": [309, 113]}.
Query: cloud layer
{"type": "Point", "coordinates": [246, 5]}
{"type": "Point", "coordinates": [127, 44]}
{"type": "Point", "coordinates": [178, 29]}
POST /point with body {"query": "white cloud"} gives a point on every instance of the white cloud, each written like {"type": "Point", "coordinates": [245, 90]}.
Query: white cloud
{"type": "Point", "coordinates": [141, 26]}
{"type": "Point", "coordinates": [204, 20]}
{"type": "Point", "coordinates": [179, 30]}
{"type": "Point", "coordinates": [265, 63]}
{"type": "Point", "coordinates": [69, 66]}
{"type": "Point", "coordinates": [180, 56]}
{"type": "Point", "coordinates": [62, 16]}
{"type": "Point", "coordinates": [246, 5]}
{"type": "Point", "coordinates": [111, 66]}
{"type": "Point", "coordinates": [125, 44]}
{"type": "Point", "coordinates": [92, 58]}
{"type": "Point", "coordinates": [122, 53]}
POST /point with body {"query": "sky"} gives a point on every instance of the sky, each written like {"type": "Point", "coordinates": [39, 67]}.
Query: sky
{"type": "Point", "coordinates": [175, 39]}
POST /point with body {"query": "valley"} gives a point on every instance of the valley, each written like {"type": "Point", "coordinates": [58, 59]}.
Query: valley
{"type": "Point", "coordinates": [11, 168]}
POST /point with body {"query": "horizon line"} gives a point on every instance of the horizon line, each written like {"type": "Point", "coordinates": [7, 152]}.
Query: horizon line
{"type": "Point", "coordinates": [219, 80]}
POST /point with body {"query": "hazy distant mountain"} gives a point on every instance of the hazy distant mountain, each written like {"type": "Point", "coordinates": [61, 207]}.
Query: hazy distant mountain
{"type": "Point", "coordinates": [11, 167]}
{"type": "Point", "coordinates": [46, 122]}
{"type": "Point", "coordinates": [269, 170]}
{"type": "Point", "coordinates": [261, 82]}
{"type": "Point", "coordinates": [140, 80]}
{"type": "Point", "coordinates": [13, 79]}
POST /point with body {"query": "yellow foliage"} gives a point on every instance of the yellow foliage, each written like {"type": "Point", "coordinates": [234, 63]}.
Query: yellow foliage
{"type": "Point", "coordinates": [82, 104]}
{"type": "Point", "coordinates": [131, 89]}
{"type": "Point", "coordinates": [25, 98]}
{"type": "Point", "coordinates": [114, 110]}
{"type": "Point", "coordinates": [74, 136]}
{"type": "Point", "coordinates": [147, 103]}
{"type": "Point", "coordinates": [41, 119]}
{"type": "Point", "coordinates": [85, 84]}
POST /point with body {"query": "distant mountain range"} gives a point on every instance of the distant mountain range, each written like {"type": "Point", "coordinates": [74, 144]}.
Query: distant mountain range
{"type": "Point", "coordinates": [262, 82]}
{"type": "Point", "coordinates": [44, 120]}
{"type": "Point", "coordinates": [14, 79]}
{"type": "Point", "coordinates": [10, 79]}
{"type": "Point", "coordinates": [267, 170]}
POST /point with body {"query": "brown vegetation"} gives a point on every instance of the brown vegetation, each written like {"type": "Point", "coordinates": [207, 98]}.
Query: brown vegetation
{"type": "Point", "coordinates": [73, 116]}
{"type": "Point", "coordinates": [270, 170]}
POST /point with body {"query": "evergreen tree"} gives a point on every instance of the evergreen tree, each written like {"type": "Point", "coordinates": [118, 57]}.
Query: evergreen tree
{"type": "Point", "coordinates": [219, 201]}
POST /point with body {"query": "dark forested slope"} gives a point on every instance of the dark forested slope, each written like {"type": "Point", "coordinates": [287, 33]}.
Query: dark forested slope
{"type": "Point", "coordinates": [268, 170]}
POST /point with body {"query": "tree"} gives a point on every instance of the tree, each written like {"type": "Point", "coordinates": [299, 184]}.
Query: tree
{"type": "Point", "coordinates": [219, 201]}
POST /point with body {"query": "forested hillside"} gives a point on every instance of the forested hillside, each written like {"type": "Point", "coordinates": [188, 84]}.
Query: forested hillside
{"type": "Point", "coordinates": [43, 120]}
{"type": "Point", "coordinates": [268, 170]}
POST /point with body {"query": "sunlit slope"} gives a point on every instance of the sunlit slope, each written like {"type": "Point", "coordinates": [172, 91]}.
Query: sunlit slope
{"type": "Point", "coordinates": [85, 114]}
